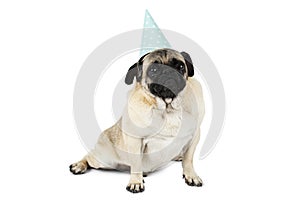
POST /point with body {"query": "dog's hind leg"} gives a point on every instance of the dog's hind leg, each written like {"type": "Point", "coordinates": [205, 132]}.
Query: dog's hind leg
{"type": "Point", "coordinates": [89, 161]}
{"type": "Point", "coordinates": [79, 167]}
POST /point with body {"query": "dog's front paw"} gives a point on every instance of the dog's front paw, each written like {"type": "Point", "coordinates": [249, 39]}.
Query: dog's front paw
{"type": "Point", "coordinates": [79, 167]}
{"type": "Point", "coordinates": [193, 180]}
{"type": "Point", "coordinates": [135, 187]}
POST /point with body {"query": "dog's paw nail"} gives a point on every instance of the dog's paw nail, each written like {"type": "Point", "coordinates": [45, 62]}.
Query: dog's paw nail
{"type": "Point", "coordinates": [78, 168]}
{"type": "Point", "coordinates": [193, 180]}
{"type": "Point", "coordinates": [135, 187]}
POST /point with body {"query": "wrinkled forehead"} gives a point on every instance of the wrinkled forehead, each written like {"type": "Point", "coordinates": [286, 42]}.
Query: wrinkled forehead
{"type": "Point", "coordinates": [162, 56]}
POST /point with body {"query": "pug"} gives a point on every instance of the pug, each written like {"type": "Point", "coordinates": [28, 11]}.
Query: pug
{"type": "Point", "coordinates": [160, 123]}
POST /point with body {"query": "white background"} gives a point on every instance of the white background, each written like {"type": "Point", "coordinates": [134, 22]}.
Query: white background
{"type": "Point", "coordinates": [254, 44]}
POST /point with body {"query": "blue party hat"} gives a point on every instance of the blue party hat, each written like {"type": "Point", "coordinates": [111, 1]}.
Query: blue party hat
{"type": "Point", "coordinates": [152, 37]}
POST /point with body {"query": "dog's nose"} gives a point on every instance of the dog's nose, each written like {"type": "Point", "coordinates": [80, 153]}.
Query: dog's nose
{"type": "Point", "coordinates": [168, 70]}
{"type": "Point", "coordinates": [154, 70]}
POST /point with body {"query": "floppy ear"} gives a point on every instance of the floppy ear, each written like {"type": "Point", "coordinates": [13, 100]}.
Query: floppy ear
{"type": "Point", "coordinates": [189, 63]}
{"type": "Point", "coordinates": [135, 70]}
{"type": "Point", "coordinates": [131, 74]}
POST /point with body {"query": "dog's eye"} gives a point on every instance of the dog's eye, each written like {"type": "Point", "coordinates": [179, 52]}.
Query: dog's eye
{"type": "Point", "coordinates": [181, 67]}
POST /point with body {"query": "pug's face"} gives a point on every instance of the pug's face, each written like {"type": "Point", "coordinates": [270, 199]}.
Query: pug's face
{"type": "Point", "coordinates": [162, 72]}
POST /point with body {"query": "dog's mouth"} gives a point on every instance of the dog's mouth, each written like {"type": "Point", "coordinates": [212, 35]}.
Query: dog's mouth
{"type": "Point", "coordinates": [167, 93]}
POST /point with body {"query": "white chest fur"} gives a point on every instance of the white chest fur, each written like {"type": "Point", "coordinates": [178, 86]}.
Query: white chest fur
{"type": "Point", "coordinates": [177, 129]}
{"type": "Point", "coordinates": [166, 133]}
{"type": "Point", "coordinates": [170, 141]}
